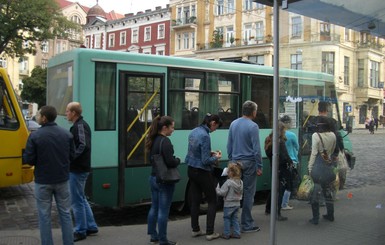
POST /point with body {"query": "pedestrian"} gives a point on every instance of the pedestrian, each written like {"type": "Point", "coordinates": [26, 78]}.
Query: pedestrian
{"type": "Point", "coordinates": [371, 125]}
{"type": "Point", "coordinates": [376, 122]}
{"type": "Point", "coordinates": [201, 161]}
{"type": "Point", "coordinates": [80, 168]}
{"type": "Point", "coordinates": [243, 146]}
{"type": "Point", "coordinates": [161, 193]}
{"type": "Point", "coordinates": [232, 191]}
{"type": "Point", "coordinates": [324, 138]}
{"type": "Point", "coordinates": [51, 149]}
{"type": "Point", "coordinates": [284, 165]}
{"type": "Point", "coordinates": [292, 147]}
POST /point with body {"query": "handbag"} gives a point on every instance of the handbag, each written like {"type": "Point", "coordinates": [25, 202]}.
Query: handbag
{"type": "Point", "coordinates": [323, 171]}
{"type": "Point", "coordinates": [164, 174]}
{"type": "Point", "coordinates": [305, 188]}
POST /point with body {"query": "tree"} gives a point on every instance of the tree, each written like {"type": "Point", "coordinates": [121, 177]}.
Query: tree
{"type": "Point", "coordinates": [27, 21]}
{"type": "Point", "coordinates": [34, 88]}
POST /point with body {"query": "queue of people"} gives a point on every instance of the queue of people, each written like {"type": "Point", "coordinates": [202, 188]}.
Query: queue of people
{"type": "Point", "coordinates": [67, 157]}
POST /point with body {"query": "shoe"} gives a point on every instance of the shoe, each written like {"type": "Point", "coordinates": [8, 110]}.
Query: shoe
{"type": "Point", "coordinates": [281, 218]}
{"type": "Point", "coordinates": [212, 236]}
{"type": "Point", "coordinates": [154, 241]}
{"type": "Point", "coordinates": [79, 236]}
{"type": "Point", "coordinates": [235, 236]}
{"type": "Point", "coordinates": [169, 243]}
{"type": "Point", "coordinates": [197, 233]}
{"type": "Point", "coordinates": [313, 221]}
{"type": "Point", "coordinates": [254, 229]}
{"type": "Point", "coordinates": [91, 232]}
{"type": "Point", "coordinates": [226, 237]}
{"type": "Point", "coordinates": [267, 212]}
{"type": "Point", "coordinates": [327, 217]}
{"type": "Point", "coordinates": [287, 208]}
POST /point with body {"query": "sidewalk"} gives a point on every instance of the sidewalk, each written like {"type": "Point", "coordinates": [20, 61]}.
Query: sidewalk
{"type": "Point", "coordinates": [360, 220]}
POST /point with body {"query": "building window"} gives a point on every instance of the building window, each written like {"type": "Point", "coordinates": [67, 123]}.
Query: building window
{"type": "Point", "coordinates": [44, 46]}
{"type": "Point", "coordinates": [347, 34]}
{"type": "Point", "coordinates": [328, 62]}
{"type": "Point", "coordinates": [220, 7]}
{"type": "Point", "coordinates": [259, 30]}
{"type": "Point", "coordinates": [44, 63]}
{"type": "Point", "coordinates": [87, 42]}
{"type": "Point", "coordinates": [135, 33]}
{"type": "Point", "coordinates": [98, 40]}
{"type": "Point", "coordinates": [111, 40]}
{"type": "Point", "coordinates": [178, 42]}
{"type": "Point", "coordinates": [258, 59]}
{"type": "Point", "coordinates": [296, 61]}
{"type": "Point", "coordinates": [361, 70]}
{"type": "Point", "coordinates": [186, 41]}
{"type": "Point", "coordinates": [3, 62]}
{"type": "Point", "coordinates": [247, 32]}
{"type": "Point", "coordinates": [346, 70]}
{"type": "Point", "coordinates": [23, 65]}
{"type": "Point", "coordinates": [193, 40]}
{"type": "Point", "coordinates": [248, 5]}
{"type": "Point", "coordinates": [325, 31]}
{"type": "Point", "coordinates": [296, 27]}
{"type": "Point", "coordinates": [123, 38]}
{"type": "Point", "coordinates": [374, 73]}
{"type": "Point", "coordinates": [230, 6]}
{"type": "Point", "coordinates": [147, 33]}
{"type": "Point", "coordinates": [160, 52]}
{"type": "Point", "coordinates": [229, 35]}
{"type": "Point", "coordinates": [161, 31]}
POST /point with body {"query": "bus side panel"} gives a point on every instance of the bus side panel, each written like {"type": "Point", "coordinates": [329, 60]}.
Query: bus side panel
{"type": "Point", "coordinates": [10, 172]}
{"type": "Point", "coordinates": [105, 186]}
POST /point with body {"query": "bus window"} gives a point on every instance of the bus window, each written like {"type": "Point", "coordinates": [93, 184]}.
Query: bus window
{"type": "Point", "coordinates": [8, 119]}
{"type": "Point", "coordinates": [201, 93]}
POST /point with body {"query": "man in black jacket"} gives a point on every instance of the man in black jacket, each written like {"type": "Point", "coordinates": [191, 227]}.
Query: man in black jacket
{"type": "Point", "coordinates": [51, 149]}
{"type": "Point", "coordinates": [79, 170]}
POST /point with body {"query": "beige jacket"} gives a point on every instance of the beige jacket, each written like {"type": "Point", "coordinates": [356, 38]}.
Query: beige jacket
{"type": "Point", "coordinates": [329, 139]}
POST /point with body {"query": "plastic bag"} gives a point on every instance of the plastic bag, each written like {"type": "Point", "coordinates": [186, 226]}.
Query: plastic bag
{"type": "Point", "coordinates": [305, 188]}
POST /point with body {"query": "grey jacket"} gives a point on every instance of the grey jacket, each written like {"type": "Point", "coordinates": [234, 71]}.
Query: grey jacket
{"type": "Point", "coordinates": [232, 191]}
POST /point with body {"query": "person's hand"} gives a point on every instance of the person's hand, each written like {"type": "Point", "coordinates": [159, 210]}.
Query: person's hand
{"type": "Point", "coordinates": [219, 154]}
{"type": "Point", "coordinates": [259, 172]}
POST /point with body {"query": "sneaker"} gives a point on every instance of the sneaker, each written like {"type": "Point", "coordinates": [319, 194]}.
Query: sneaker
{"type": "Point", "coordinates": [212, 236]}
{"type": "Point", "coordinates": [197, 233]}
{"type": "Point", "coordinates": [235, 236]}
{"type": "Point", "coordinates": [170, 243]}
{"type": "Point", "coordinates": [327, 217]}
{"type": "Point", "coordinates": [79, 236]}
{"type": "Point", "coordinates": [313, 221]}
{"type": "Point", "coordinates": [287, 208]}
{"type": "Point", "coordinates": [281, 218]}
{"type": "Point", "coordinates": [91, 232]}
{"type": "Point", "coordinates": [254, 229]}
{"type": "Point", "coordinates": [226, 237]}
{"type": "Point", "coordinates": [154, 241]}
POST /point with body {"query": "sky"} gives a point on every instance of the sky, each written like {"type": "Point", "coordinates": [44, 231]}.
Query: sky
{"type": "Point", "coordinates": [124, 6]}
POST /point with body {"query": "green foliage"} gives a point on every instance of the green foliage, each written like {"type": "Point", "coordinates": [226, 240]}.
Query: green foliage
{"type": "Point", "coordinates": [217, 40]}
{"type": "Point", "coordinates": [34, 88]}
{"type": "Point", "coordinates": [27, 21]}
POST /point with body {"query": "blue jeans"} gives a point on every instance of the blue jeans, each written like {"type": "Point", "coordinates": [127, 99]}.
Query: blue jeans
{"type": "Point", "coordinates": [285, 199]}
{"type": "Point", "coordinates": [84, 218]}
{"type": "Point", "coordinates": [249, 177]}
{"type": "Point", "coordinates": [161, 198]}
{"type": "Point", "coordinates": [43, 195]}
{"type": "Point", "coordinates": [230, 219]}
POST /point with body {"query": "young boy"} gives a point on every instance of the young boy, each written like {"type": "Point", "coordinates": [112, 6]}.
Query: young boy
{"type": "Point", "coordinates": [232, 191]}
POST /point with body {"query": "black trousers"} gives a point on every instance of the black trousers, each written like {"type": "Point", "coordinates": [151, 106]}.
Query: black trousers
{"type": "Point", "coordinates": [326, 191]}
{"type": "Point", "coordinates": [202, 181]}
{"type": "Point", "coordinates": [281, 190]}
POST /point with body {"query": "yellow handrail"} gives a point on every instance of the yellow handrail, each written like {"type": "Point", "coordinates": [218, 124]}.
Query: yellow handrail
{"type": "Point", "coordinates": [137, 144]}
{"type": "Point", "coordinates": [142, 110]}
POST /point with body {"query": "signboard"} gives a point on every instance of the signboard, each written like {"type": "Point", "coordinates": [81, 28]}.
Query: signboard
{"type": "Point", "coordinates": [348, 108]}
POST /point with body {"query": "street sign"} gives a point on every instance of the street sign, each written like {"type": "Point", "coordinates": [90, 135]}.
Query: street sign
{"type": "Point", "coordinates": [348, 108]}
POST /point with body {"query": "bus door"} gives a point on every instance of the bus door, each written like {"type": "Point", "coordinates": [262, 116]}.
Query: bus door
{"type": "Point", "coordinates": [13, 137]}
{"type": "Point", "coordinates": [140, 102]}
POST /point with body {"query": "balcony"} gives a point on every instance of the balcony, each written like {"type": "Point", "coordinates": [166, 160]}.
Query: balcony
{"type": "Point", "coordinates": [237, 43]}
{"type": "Point", "coordinates": [184, 23]}
{"type": "Point", "coordinates": [369, 45]}
{"type": "Point", "coordinates": [318, 37]}
{"type": "Point", "coordinates": [369, 92]}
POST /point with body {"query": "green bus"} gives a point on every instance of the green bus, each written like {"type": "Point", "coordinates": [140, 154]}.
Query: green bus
{"type": "Point", "coordinates": [121, 92]}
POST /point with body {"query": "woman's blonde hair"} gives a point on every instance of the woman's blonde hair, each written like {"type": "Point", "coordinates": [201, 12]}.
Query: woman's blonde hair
{"type": "Point", "coordinates": [235, 169]}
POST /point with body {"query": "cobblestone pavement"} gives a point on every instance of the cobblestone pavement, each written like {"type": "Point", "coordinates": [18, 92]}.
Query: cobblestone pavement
{"type": "Point", "coordinates": [18, 209]}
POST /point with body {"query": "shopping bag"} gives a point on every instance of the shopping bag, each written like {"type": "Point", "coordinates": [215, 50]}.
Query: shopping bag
{"type": "Point", "coordinates": [305, 188]}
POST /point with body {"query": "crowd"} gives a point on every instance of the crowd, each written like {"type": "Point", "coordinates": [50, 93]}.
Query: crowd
{"type": "Point", "coordinates": [62, 164]}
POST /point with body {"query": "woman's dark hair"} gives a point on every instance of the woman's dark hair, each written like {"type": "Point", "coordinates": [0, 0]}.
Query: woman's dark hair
{"type": "Point", "coordinates": [323, 124]}
{"type": "Point", "coordinates": [156, 126]}
{"type": "Point", "coordinates": [212, 117]}
{"type": "Point", "coordinates": [49, 112]}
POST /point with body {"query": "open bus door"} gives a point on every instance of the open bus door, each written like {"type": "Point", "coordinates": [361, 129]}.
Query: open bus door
{"type": "Point", "coordinates": [13, 137]}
